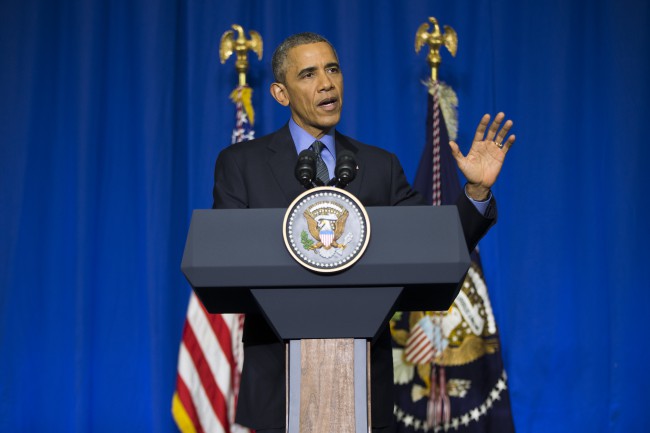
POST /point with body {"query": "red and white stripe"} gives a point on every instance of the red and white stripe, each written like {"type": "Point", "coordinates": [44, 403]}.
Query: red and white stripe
{"type": "Point", "coordinates": [208, 369]}
{"type": "Point", "coordinates": [327, 237]}
{"type": "Point", "coordinates": [419, 347]}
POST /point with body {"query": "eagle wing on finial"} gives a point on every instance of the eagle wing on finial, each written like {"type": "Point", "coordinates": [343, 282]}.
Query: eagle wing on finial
{"type": "Point", "coordinates": [227, 45]}
{"type": "Point", "coordinates": [340, 225]}
{"type": "Point", "coordinates": [421, 37]}
{"type": "Point", "coordinates": [312, 225]}
{"type": "Point", "coordinates": [450, 39]}
{"type": "Point", "coordinates": [255, 43]}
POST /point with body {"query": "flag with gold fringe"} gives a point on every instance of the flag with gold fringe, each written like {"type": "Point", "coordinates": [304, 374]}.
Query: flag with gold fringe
{"type": "Point", "coordinates": [449, 373]}
{"type": "Point", "coordinates": [211, 355]}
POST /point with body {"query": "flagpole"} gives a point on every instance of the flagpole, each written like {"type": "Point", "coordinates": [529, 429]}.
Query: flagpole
{"type": "Point", "coordinates": [435, 39]}
{"type": "Point", "coordinates": [438, 406]}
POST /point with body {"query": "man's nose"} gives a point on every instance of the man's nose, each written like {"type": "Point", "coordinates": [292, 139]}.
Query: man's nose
{"type": "Point", "coordinates": [325, 83]}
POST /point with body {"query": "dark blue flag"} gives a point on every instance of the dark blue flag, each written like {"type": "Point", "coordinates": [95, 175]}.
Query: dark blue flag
{"type": "Point", "coordinates": [449, 373]}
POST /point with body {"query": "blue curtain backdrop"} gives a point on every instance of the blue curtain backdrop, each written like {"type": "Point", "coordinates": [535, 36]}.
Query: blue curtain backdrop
{"type": "Point", "coordinates": [112, 114]}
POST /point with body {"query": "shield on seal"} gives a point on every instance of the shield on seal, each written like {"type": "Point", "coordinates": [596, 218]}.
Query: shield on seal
{"type": "Point", "coordinates": [326, 237]}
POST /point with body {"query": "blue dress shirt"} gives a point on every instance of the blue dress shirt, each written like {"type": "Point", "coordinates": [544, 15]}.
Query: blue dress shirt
{"type": "Point", "coordinates": [303, 140]}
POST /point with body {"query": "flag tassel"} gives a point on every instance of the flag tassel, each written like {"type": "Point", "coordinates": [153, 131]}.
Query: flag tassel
{"type": "Point", "coordinates": [439, 405]}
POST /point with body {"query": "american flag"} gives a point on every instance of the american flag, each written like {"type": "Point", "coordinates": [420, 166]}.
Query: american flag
{"type": "Point", "coordinates": [211, 353]}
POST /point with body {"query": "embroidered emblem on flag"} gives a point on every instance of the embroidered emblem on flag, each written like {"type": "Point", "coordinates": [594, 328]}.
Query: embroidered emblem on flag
{"type": "Point", "coordinates": [419, 346]}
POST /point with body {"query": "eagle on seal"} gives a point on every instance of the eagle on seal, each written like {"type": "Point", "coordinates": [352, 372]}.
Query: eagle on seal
{"type": "Point", "coordinates": [326, 231]}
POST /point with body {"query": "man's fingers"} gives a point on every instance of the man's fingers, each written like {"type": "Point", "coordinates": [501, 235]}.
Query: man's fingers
{"type": "Point", "coordinates": [507, 144]}
{"type": "Point", "coordinates": [495, 133]}
{"type": "Point", "coordinates": [504, 131]}
{"type": "Point", "coordinates": [494, 127]}
{"type": "Point", "coordinates": [455, 151]}
{"type": "Point", "coordinates": [482, 126]}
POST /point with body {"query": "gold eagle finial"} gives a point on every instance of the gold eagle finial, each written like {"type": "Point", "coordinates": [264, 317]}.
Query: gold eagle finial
{"type": "Point", "coordinates": [240, 45]}
{"type": "Point", "coordinates": [435, 40]}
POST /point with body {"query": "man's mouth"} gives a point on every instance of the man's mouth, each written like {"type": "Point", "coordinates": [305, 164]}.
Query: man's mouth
{"type": "Point", "coordinates": [329, 103]}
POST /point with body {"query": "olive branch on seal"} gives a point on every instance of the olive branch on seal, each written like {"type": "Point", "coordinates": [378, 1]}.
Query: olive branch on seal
{"type": "Point", "coordinates": [306, 242]}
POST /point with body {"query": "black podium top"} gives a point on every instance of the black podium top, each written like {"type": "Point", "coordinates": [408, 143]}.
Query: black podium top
{"type": "Point", "coordinates": [419, 248]}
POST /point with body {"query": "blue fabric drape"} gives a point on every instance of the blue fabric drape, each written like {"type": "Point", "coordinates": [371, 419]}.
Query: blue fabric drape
{"type": "Point", "coordinates": [112, 114]}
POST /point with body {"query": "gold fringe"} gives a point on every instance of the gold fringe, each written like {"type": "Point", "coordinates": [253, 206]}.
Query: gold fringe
{"type": "Point", "coordinates": [244, 96]}
{"type": "Point", "coordinates": [448, 106]}
{"type": "Point", "coordinates": [181, 417]}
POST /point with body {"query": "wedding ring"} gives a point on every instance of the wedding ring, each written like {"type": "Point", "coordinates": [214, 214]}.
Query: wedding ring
{"type": "Point", "coordinates": [499, 145]}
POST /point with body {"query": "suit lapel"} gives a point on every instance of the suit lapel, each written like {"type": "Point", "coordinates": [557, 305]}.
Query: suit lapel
{"type": "Point", "coordinates": [282, 163]}
{"type": "Point", "coordinates": [343, 143]}
{"type": "Point", "coordinates": [283, 157]}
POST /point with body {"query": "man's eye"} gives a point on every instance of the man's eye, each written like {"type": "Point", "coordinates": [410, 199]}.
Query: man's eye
{"type": "Point", "coordinates": [333, 70]}
{"type": "Point", "coordinates": [308, 75]}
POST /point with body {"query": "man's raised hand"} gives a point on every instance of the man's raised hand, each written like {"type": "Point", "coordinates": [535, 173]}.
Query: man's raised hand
{"type": "Point", "coordinates": [485, 158]}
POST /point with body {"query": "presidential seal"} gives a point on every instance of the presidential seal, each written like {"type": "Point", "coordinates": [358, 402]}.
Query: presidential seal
{"type": "Point", "coordinates": [326, 229]}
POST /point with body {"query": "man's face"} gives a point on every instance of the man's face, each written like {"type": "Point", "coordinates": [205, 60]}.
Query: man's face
{"type": "Point", "coordinates": [313, 87]}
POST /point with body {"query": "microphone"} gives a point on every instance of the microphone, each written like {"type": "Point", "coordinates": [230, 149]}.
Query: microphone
{"type": "Point", "coordinates": [306, 168]}
{"type": "Point", "coordinates": [346, 168]}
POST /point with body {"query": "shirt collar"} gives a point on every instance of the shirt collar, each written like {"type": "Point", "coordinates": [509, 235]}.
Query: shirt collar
{"type": "Point", "coordinates": [302, 139]}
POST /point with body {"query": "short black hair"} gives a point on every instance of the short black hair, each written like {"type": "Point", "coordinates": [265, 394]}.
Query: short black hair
{"type": "Point", "coordinates": [278, 62]}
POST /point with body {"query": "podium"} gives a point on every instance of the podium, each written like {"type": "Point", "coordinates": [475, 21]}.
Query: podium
{"type": "Point", "coordinates": [236, 262]}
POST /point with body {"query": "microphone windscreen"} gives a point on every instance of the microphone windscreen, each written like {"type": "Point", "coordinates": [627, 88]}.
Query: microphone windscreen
{"type": "Point", "coordinates": [346, 167]}
{"type": "Point", "coordinates": [306, 167]}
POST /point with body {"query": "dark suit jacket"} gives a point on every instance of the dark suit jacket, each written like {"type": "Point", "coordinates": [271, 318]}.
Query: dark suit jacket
{"type": "Point", "coordinates": [260, 174]}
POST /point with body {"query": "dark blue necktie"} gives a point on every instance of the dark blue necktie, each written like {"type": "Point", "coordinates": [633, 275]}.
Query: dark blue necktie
{"type": "Point", "coordinates": [322, 172]}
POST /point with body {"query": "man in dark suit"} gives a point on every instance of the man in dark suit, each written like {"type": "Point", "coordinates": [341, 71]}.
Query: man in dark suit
{"type": "Point", "coordinates": [260, 174]}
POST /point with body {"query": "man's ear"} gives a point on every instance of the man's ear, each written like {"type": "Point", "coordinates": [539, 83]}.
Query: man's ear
{"type": "Point", "coordinates": [279, 93]}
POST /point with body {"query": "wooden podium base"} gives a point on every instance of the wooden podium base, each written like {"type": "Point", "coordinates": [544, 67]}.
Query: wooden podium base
{"type": "Point", "coordinates": [328, 386]}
